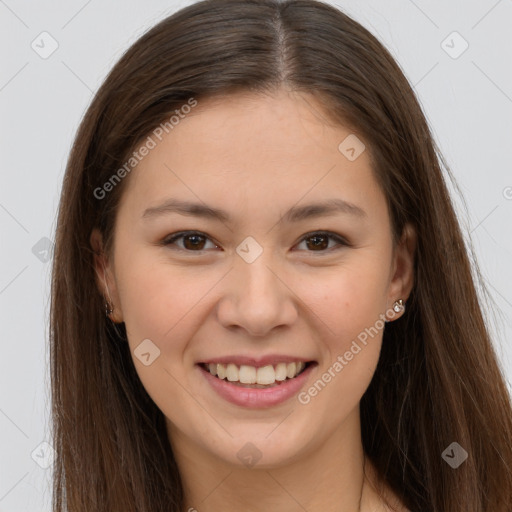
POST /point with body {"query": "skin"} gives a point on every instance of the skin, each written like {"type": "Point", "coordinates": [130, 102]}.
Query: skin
{"type": "Point", "coordinates": [256, 156]}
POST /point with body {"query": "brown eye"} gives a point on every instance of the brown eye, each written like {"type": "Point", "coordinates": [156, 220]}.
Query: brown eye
{"type": "Point", "coordinates": [319, 241]}
{"type": "Point", "coordinates": [192, 241]}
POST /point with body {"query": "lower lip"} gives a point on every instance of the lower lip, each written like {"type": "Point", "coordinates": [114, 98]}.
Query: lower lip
{"type": "Point", "coordinates": [257, 397]}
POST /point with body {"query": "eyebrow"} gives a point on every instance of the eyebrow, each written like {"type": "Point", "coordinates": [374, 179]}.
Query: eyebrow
{"type": "Point", "coordinates": [294, 214]}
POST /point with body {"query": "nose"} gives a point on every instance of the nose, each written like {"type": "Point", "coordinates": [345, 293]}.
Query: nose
{"type": "Point", "coordinates": [257, 298]}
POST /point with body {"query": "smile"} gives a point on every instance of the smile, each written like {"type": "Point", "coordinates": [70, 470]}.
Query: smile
{"type": "Point", "coordinates": [270, 394]}
{"type": "Point", "coordinates": [251, 376]}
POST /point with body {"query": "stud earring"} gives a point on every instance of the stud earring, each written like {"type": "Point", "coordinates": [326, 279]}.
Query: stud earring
{"type": "Point", "coordinates": [398, 306]}
{"type": "Point", "coordinates": [109, 308]}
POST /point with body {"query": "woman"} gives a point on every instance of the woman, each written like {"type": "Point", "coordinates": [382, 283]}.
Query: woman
{"type": "Point", "coordinates": [261, 297]}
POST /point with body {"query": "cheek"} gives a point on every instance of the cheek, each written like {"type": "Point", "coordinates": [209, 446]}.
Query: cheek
{"type": "Point", "coordinates": [350, 309]}
{"type": "Point", "coordinates": [161, 304]}
{"type": "Point", "coordinates": [158, 301]}
{"type": "Point", "coordinates": [347, 300]}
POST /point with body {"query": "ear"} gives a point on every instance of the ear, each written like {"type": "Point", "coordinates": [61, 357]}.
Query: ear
{"type": "Point", "coordinates": [402, 279]}
{"type": "Point", "coordinates": [105, 280]}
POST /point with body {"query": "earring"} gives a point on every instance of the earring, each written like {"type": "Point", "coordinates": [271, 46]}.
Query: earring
{"type": "Point", "coordinates": [109, 308]}
{"type": "Point", "coordinates": [398, 306]}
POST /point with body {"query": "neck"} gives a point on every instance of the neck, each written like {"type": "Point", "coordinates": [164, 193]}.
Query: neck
{"type": "Point", "coordinates": [318, 478]}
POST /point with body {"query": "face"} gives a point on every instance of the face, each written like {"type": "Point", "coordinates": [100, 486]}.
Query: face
{"type": "Point", "coordinates": [268, 279]}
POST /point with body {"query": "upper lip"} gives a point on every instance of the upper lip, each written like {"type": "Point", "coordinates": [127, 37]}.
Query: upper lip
{"type": "Point", "coordinates": [271, 359]}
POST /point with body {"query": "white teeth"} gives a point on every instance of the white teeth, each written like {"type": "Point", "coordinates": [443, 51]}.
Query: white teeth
{"type": "Point", "coordinates": [221, 371]}
{"type": "Point", "coordinates": [281, 371]}
{"type": "Point", "coordinates": [252, 375]}
{"type": "Point", "coordinates": [265, 375]}
{"type": "Point", "coordinates": [247, 374]}
{"type": "Point", "coordinates": [291, 370]}
{"type": "Point", "coordinates": [232, 372]}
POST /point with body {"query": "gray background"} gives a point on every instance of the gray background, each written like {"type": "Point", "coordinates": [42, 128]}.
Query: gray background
{"type": "Point", "coordinates": [467, 99]}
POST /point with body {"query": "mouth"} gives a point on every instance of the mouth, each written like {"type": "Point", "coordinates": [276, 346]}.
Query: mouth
{"type": "Point", "coordinates": [261, 377]}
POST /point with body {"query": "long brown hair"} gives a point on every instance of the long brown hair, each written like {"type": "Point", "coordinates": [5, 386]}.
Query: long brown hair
{"type": "Point", "coordinates": [437, 381]}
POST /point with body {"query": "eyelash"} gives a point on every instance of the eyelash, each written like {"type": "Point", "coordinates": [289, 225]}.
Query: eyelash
{"type": "Point", "coordinates": [169, 240]}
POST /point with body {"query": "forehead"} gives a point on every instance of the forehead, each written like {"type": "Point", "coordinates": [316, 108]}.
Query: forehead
{"type": "Point", "coordinates": [253, 151]}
